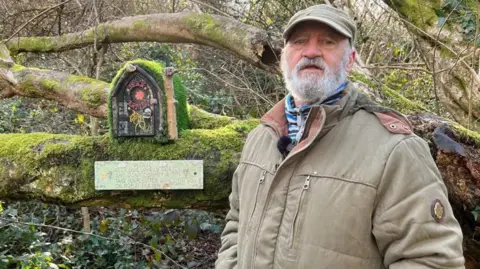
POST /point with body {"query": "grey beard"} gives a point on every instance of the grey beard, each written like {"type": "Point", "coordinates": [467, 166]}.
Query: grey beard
{"type": "Point", "coordinates": [312, 88]}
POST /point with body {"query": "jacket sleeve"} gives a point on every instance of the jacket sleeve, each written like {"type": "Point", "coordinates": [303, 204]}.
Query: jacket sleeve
{"type": "Point", "coordinates": [227, 255]}
{"type": "Point", "coordinates": [413, 223]}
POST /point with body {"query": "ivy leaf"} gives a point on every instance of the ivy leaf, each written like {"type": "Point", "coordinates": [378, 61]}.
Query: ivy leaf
{"type": "Point", "coordinates": [192, 228]}
{"type": "Point", "coordinates": [12, 212]}
{"type": "Point", "coordinates": [122, 212]}
{"type": "Point", "coordinates": [158, 256]}
{"type": "Point", "coordinates": [104, 226]}
{"type": "Point", "coordinates": [440, 12]}
{"type": "Point", "coordinates": [154, 242]}
{"type": "Point", "coordinates": [205, 226]}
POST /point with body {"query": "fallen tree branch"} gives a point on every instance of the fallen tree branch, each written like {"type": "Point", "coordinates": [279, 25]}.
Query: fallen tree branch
{"type": "Point", "coordinates": [82, 94]}
{"type": "Point", "coordinates": [60, 168]}
{"type": "Point", "coordinates": [247, 42]}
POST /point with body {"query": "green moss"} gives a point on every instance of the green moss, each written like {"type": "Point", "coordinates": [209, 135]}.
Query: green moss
{"type": "Point", "coordinates": [60, 167]}
{"type": "Point", "coordinates": [200, 119]}
{"type": "Point", "coordinates": [391, 98]}
{"type": "Point", "coordinates": [357, 76]}
{"type": "Point", "coordinates": [37, 44]}
{"type": "Point", "coordinates": [29, 86]}
{"type": "Point", "coordinates": [446, 53]}
{"type": "Point", "coordinates": [20, 68]}
{"type": "Point", "coordinates": [56, 182]}
{"type": "Point", "coordinates": [50, 85]}
{"type": "Point", "coordinates": [4, 53]}
{"type": "Point", "coordinates": [17, 68]}
{"type": "Point", "coordinates": [216, 30]}
{"type": "Point", "coordinates": [466, 135]}
{"type": "Point", "coordinates": [20, 155]}
{"type": "Point", "coordinates": [400, 103]}
{"type": "Point", "coordinates": [88, 88]}
{"type": "Point", "coordinates": [82, 79]}
{"type": "Point", "coordinates": [92, 97]}
{"type": "Point", "coordinates": [206, 25]}
{"type": "Point", "coordinates": [420, 13]}
{"type": "Point", "coordinates": [139, 25]}
{"type": "Point", "coordinates": [183, 120]}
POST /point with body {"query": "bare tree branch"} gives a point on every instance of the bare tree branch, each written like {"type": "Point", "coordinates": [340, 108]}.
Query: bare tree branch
{"type": "Point", "coordinates": [397, 67]}
{"type": "Point", "coordinates": [211, 7]}
{"type": "Point", "coordinates": [32, 19]}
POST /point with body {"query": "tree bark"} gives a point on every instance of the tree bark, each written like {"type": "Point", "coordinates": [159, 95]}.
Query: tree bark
{"type": "Point", "coordinates": [446, 54]}
{"type": "Point", "coordinates": [79, 93]}
{"type": "Point", "coordinates": [247, 42]}
{"type": "Point", "coordinates": [60, 168]}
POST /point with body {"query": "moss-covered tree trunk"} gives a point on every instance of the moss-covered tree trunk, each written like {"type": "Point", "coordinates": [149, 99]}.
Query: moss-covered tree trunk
{"type": "Point", "coordinates": [60, 168]}
{"type": "Point", "coordinates": [445, 32]}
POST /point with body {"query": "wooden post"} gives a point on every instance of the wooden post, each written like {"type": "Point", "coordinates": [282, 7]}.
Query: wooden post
{"type": "Point", "coordinates": [171, 111]}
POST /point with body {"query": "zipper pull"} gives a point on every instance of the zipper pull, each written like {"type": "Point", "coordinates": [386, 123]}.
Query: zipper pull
{"type": "Point", "coordinates": [262, 179]}
{"type": "Point", "coordinates": [306, 185]}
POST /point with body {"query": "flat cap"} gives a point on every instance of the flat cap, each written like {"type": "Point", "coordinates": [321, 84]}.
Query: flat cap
{"type": "Point", "coordinates": [331, 16]}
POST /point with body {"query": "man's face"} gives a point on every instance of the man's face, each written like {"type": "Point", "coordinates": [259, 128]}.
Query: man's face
{"type": "Point", "coordinates": [315, 61]}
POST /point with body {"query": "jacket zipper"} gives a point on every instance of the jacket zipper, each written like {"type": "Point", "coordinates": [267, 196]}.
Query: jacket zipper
{"type": "Point", "coordinates": [268, 194]}
{"type": "Point", "coordinates": [260, 182]}
{"type": "Point", "coordinates": [293, 232]}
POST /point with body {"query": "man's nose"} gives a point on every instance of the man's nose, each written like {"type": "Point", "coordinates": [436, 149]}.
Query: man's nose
{"type": "Point", "coordinates": [312, 50]}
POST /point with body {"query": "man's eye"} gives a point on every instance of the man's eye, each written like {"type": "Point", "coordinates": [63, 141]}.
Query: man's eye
{"type": "Point", "coordinates": [299, 41]}
{"type": "Point", "coordinates": [329, 43]}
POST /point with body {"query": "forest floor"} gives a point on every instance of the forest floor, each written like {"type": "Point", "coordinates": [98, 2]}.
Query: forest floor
{"type": "Point", "coordinates": [36, 235]}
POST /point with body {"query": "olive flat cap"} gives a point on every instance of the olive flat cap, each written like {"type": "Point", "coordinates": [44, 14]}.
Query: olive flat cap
{"type": "Point", "coordinates": [331, 16]}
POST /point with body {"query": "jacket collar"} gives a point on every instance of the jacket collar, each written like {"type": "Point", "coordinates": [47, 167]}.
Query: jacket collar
{"type": "Point", "coordinates": [326, 117]}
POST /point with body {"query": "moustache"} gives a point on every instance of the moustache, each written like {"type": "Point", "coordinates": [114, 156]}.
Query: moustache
{"type": "Point", "coordinates": [308, 62]}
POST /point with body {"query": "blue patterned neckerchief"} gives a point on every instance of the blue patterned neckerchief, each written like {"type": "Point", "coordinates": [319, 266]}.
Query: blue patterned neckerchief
{"type": "Point", "coordinates": [297, 116]}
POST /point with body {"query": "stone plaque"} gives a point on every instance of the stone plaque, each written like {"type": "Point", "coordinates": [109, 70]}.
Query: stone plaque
{"type": "Point", "coordinates": [136, 104]}
{"type": "Point", "coordinates": [149, 175]}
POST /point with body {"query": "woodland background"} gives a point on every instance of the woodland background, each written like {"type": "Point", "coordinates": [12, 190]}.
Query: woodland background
{"type": "Point", "coordinates": [425, 51]}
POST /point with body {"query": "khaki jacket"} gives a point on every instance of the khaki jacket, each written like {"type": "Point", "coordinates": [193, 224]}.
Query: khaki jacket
{"type": "Point", "coordinates": [355, 193]}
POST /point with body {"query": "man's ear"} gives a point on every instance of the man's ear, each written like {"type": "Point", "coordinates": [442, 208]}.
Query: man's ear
{"type": "Point", "coordinates": [351, 60]}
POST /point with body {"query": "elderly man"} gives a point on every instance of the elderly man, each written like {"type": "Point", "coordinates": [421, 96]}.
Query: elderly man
{"type": "Point", "coordinates": [330, 179]}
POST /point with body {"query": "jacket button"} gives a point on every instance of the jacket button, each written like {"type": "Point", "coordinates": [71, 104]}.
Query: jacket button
{"type": "Point", "coordinates": [393, 126]}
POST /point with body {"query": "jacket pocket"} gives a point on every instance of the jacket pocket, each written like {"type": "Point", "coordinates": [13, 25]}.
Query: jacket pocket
{"type": "Point", "coordinates": [331, 213]}
{"type": "Point", "coordinates": [260, 183]}
{"type": "Point", "coordinates": [295, 224]}
{"type": "Point", "coordinates": [258, 178]}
